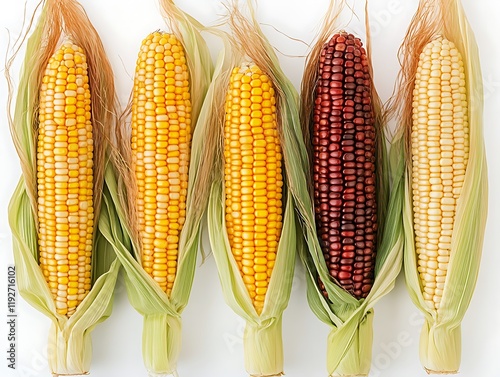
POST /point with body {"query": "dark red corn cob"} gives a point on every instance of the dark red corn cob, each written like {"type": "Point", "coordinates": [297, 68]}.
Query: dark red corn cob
{"type": "Point", "coordinates": [343, 143]}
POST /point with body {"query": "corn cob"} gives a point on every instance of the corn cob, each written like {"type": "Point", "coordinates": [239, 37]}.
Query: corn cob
{"type": "Point", "coordinates": [65, 178]}
{"type": "Point", "coordinates": [343, 140]}
{"type": "Point", "coordinates": [440, 102]}
{"type": "Point", "coordinates": [440, 152]}
{"type": "Point", "coordinates": [161, 136]}
{"type": "Point", "coordinates": [253, 177]}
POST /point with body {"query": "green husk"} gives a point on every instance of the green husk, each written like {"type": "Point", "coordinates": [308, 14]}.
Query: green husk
{"type": "Point", "coordinates": [162, 313]}
{"type": "Point", "coordinates": [349, 346]}
{"type": "Point", "coordinates": [440, 342]}
{"type": "Point", "coordinates": [70, 348]}
{"type": "Point", "coordinates": [262, 339]}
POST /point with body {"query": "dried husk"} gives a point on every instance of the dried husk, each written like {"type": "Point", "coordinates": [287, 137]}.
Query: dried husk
{"type": "Point", "coordinates": [69, 348]}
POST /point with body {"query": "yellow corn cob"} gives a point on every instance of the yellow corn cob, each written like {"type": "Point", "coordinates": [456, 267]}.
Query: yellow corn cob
{"type": "Point", "coordinates": [161, 136]}
{"type": "Point", "coordinates": [65, 178]}
{"type": "Point", "coordinates": [253, 179]}
{"type": "Point", "coordinates": [440, 151]}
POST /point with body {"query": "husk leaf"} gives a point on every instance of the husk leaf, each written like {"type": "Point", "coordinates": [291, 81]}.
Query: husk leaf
{"type": "Point", "coordinates": [350, 341]}
{"type": "Point", "coordinates": [69, 348]}
{"type": "Point", "coordinates": [440, 343]}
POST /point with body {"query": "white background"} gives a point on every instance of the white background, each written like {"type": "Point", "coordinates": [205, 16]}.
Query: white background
{"type": "Point", "coordinates": [212, 332]}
